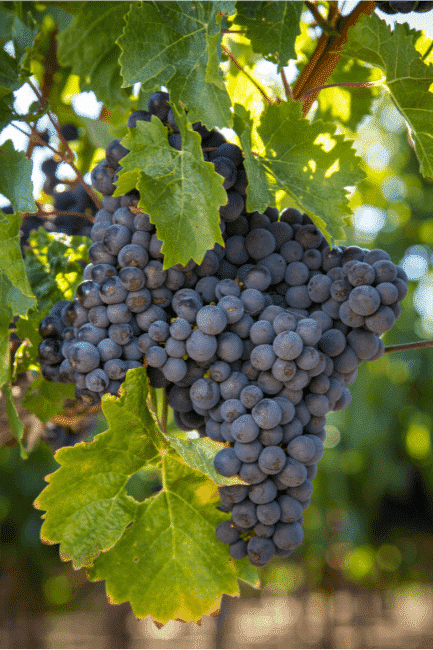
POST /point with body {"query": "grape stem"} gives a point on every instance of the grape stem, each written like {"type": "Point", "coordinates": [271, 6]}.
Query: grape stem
{"type": "Point", "coordinates": [68, 156]}
{"type": "Point", "coordinates": [427, 52]}
{"type": "Point", "coordinates": [288, 90]}
{"type": "Point", "coordinates": [345, 84]}
{"type": "Point", "coordinates": [43, 213]}
{"type": "Point", "coordinates": [164, 413]}
{"type": "Point", "coordinates": [326, 56]}
{"type": "Point", "coordinates": [247, 74]}
{"type": "Point", "coordinates": [403, 347]}
{"type": "Point", "coordinates": [321, 21]}
{"type": "Point", "coordinates": [153, 402]}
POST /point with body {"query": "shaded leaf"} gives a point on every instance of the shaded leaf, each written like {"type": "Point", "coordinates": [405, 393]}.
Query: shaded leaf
{"type": "Point", "coordinates": [169, 41]}
{"type": "Point", "coordinates": [88, 46]}
{"type": "Point", "coordinates": [45, 398]}
{"type": "Point", "coordinates": [272, 27]}
{"type": "Point", "coordinates": [16, 178]}
{"type": "Point", "coordinates": [15, 423]}
{"type": "Point", "coordinates": [20, 296]}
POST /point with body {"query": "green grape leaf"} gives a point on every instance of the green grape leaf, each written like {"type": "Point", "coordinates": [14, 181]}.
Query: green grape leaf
{"type": "Point", "coordinates": [169, 564]}
{"type": "Point", "coordinates": [310, 162]}
{"type": "Point", "coordinates": [179, 190]}
{"type": "Point", "coordinates": [408, 78]}
{"type": "Point", "coordinates": [45, 398]}
{"type": "Point", "coordinates": [349, 104]}
{"type": "Point", "coordinates": [15, 423]}
{"type": "Point", "coordinates": [6, 316]}
{"type": "Point", "coordinates": [258, 195]}
{"type": "Point", "coordinates": [199, 454]}
{"type": "Point", "coordinates": [16, 178]}
{"type": "Point", "coordinates": [272, 28]}
{"type": "Point", "coordinates": [95, 509]}
{"type": "Point", "coordinates": [9, 74]}
{"type": "Point", "coordinates": [172, 42]}
{"type": "Point", "coordinates": [23, 37]}
{"type": "Point", "coordinates": [6, 21]}
{"type": "Point", "coordinates": [88, 47]}
{"type": "Point", "coordinates": [19, 296]}
{"type": "Point", "coordinates": [16, 297]}
{"type": "Point", "coordinates": [53, 266]}
{"type": "Point", "coordinates": [98, 132]}
{"type": "Point", "coordinates": [160, 554]}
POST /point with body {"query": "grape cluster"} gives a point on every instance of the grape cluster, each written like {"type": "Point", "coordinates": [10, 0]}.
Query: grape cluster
{"type": "Point", "coordinates": [254, 345]}
{"type": "Point", "coordinates": [72, 200]}
{"type": "Point", "coordinates": [405, 7]}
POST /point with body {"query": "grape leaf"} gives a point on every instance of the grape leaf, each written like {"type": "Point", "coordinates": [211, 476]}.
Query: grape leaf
{"type": "Point", "coordinates": [45, 398]}
{"type": "Point", "coordinates": [53, 266]}
{"type": "Point", "coordinates": [160, 554]}
{"type": "Point", "coordinates": [408, 78]}
{"type": "Point", "coordinates": [272, 29]}
{"type": "Point", "coordinates": [172, 38]}
{"type": "Point", "coordinates": [88, 46]}
{"type": "Point", "coordinates": [19, 296]}
{"type": "Point", "coordinates": [23, 36]}
{"type": "Point", "coordinates": [180, 192]}
{"type": "Point", "coordinates": [348, 104]}
{"type": "Point", "coordinates": [16, 296]}
{"type": "Point", "coordinates": [9, 79]}
{"type": "Point", "coordinates": [258, 195]}
{"type": "Point", "coordinates": [6, 316]}
{"type": "Point", "coordinates": [6, 21]}
{"type": "Point", "coordinates": [15, 423]}
{"type": "Point", "coordinates": [199, 454]}
{"type": "Point", "coordinates": [310, 163]}
{"type": "Point", "coordinates": [16, 178]}
{"type": "Point", "coordinates": [169, 564]}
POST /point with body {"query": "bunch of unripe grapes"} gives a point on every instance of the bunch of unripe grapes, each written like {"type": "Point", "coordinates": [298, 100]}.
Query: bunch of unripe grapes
{"type": "Point", "coordinates": [253, 346]}
{"type": "Point", "coordinates": [405, 7]}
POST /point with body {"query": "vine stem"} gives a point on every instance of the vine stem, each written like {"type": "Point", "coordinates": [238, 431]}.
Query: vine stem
{"type": "Point", "coordinates": [153, 401]}
{"type": "Point", "coordinates": [403, 347]}
{"type": "Point", "coordinates": [66, 213]}
{"type": "Point", "coordinates": [345, 84]}
{"type": "Point", "coordinates": [287, 89]}
{"type": "Point", "coordinates": [247, 74]}
{"type": "Point", "coordinates": [427, 52]}
{"type": "Point", "coordinates": [164, 413]}
{"type": "Point", "coordinates": [67, 157]}
{"type": "Point", "coordinates": [326, 56]}
{"type": "Point", "coordinates": [321, 21]}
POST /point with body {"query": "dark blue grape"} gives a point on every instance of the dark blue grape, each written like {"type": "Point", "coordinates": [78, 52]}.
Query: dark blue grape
{"type": "Point", "coordinates": [260, 551]}
{"type": "Point", "coordinates": [121, 334]}
{"type": "Point", "coordinates": [288, 536]}
{"type": "Point", "coordinates": [97, 380]}
{"type": "Point", "coordinates": [227, 533]}
{"type": "Point", "coordinates": [248, 452]}
{"type": "Point", "coordinates": [83, 356]}
{"type": "Point", "coordinates": [260, 243]}
{"type": "Point", "coordinates": [227, 463]}
{"type": "Point", "coordinates": [244, 513]}
{"type": "Point", "coordinates": [268, 513]}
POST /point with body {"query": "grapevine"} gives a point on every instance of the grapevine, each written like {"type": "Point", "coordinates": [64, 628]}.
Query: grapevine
{"type": "Point", "coordinates": [213, 322]}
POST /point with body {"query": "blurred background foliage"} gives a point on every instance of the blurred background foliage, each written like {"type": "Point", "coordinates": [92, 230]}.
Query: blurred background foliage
{"type": "Point", "coordinates": [370, 523]}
